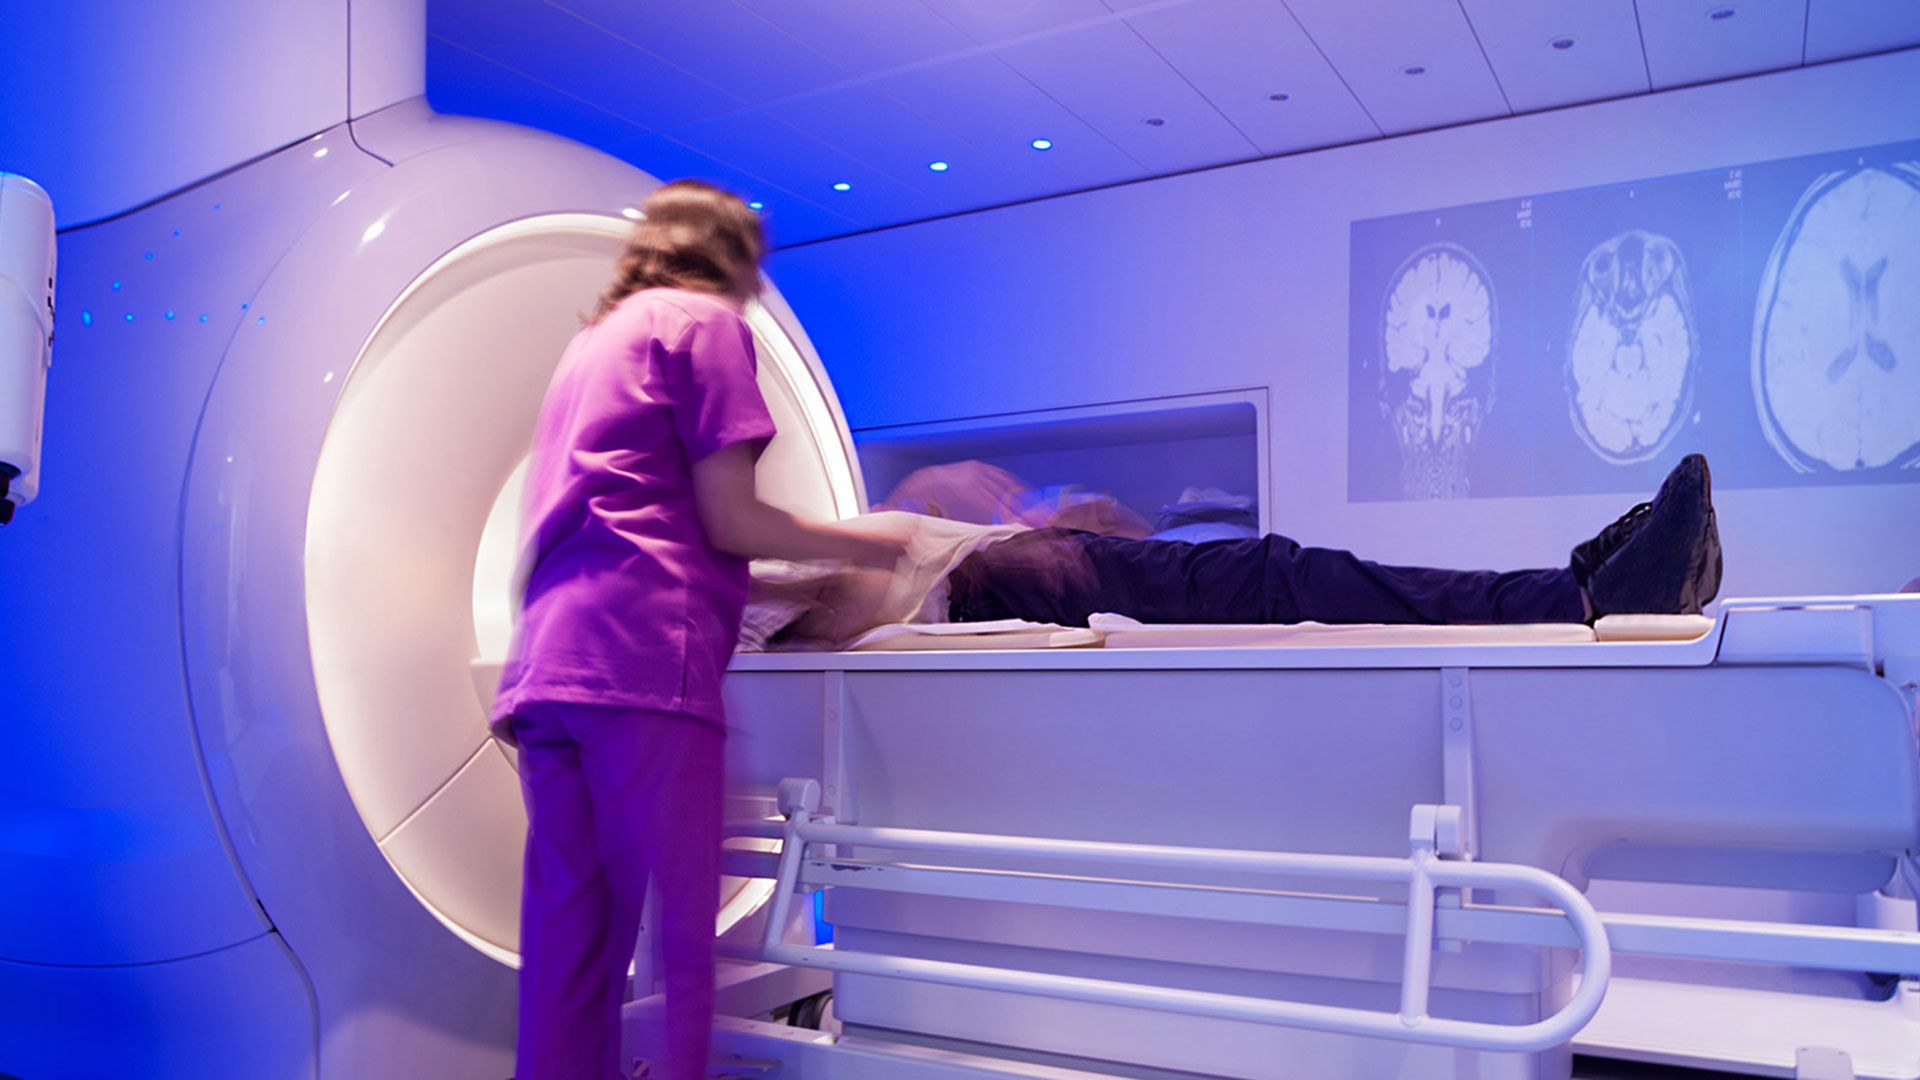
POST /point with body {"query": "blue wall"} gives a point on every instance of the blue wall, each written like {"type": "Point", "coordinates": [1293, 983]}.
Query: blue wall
{"type": "Point", "coordinates": [1239, 277]}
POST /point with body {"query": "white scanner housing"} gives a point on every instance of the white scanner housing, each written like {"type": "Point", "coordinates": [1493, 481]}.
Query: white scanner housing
{"type": "Point", "coordinates": [26, 334]}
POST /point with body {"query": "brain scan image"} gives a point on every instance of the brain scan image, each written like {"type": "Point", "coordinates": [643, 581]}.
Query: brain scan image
{"type": "Point", "coordinates": [1836, 342]}
{"type": "Point", "coordinates": [1436, 384]}
{"type": "Point", "coordinates": [1631, 353]}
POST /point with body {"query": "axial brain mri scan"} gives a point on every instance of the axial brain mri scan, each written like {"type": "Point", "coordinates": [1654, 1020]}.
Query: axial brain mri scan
{"type": "Point", "coordinates": [1836, 343]}
{"type": "Point", "coordinates": [1631, 353]}
{"type": "Point", "coordinates": [1437, 382]}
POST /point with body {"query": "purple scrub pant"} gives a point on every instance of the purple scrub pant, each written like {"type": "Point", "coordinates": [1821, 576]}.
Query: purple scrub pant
{"type": "Point", "coordinates": [1269, 579]}
{"type": "Point", "coordinates": [614, 796]}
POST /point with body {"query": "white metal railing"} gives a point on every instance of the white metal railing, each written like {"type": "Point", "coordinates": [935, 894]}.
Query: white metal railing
{"type": "Point", "coordinates": [1422, 872]}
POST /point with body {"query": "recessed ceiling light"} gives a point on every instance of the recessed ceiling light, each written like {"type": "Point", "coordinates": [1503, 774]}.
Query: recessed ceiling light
{"type": "Point", "coordinates": [843, 186]}
{"type": "Point", "coordinates": [1562, 43]}
{"type": "Point", "coordinates": [1722, 14]}
{"type": "Point", "coordinates": [1042, 144]}
{"type": "Point", "coordinates": [756, 206]}
{"type": "Point", "coordinates": [1155, 121]}
{"type": "Point", "coordinates": [938, 166]}
{"type": "Point", "coordinates": [1414, 69]}
{"type": "Point", "coordinates": [1278, 95]}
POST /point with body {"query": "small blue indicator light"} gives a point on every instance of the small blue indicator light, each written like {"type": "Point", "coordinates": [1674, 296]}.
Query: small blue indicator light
{"type": "Point", "coordinates": [86, 318]}
{"type": "Point", "coordinates": [129, 316]}
{"type": "Point", "coordinates": [243, 305]}
{"type": "Point", "coordinates": [116, 286]}
{"type": "Point", "coordinates": [843, 186]}
{"type": "Point", "coordinates": [938, 166]}
{"type": "Point", "coordinates": [216, 206]}
{"type": "Point", "coordinates": [149, 256]}
{"type": "Point", "coordinates": [176, 232]}
{"type": "Point", "coordinates": [756, 206]}
{"type": "Point", "coordinates": [203, 318]}
{"type": "Point", "coordinates": [169, 316]}
{"type": "Point", "coordinates": [262, 320]}
{"type": "Point", "coordinates": [1043, 144]}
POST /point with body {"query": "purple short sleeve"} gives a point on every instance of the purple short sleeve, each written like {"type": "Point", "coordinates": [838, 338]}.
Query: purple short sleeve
{"type": "Point", "coordinates": [716, 400]}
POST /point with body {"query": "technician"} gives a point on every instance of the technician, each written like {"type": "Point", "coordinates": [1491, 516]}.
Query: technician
{"type": "Point", "coordinates": [640, 515]}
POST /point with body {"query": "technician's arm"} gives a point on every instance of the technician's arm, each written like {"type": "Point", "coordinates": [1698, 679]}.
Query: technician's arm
{"type": "Point", "coordinates": [738, 523]}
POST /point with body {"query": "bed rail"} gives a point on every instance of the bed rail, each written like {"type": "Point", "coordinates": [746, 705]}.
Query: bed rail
{"type": "Point", "coordinates": [1436, 838]}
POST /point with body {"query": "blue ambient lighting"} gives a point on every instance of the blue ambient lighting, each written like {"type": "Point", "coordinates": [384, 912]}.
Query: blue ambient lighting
{"type": "Point", "coordinates": [938, 166]}
{"type": "Point", "coordinates": [86, 318]}
{"type": "Point", "coordinates": [262, 320]}
{"type": "Point", "coordinates": [116, 286]}
{"type": "Point", "coordinates": [843, 186]}
{"type": "Point", "coordinates": [243, 305]}
{"type": "Point", "coordinates": [129, 316]}
{"type": "Point", "coordinates": [216, 206]}
{"type": "Point", "coordinates": [176, 232]}
{"type": "Point", "coordinates": [169, 316]}
{"type": "Point", "coordinates": [756, 206]}
{"type": "Point", "coordinates": [203, 318]}
{"type": "Point", "coordinates": [1043, 144]}
{"type": "Point", "coordinates": [149, 256]}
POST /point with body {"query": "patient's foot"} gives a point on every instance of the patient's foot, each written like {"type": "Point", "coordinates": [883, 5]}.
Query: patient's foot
{"type": "Point", "coordinates": [1663, 559]}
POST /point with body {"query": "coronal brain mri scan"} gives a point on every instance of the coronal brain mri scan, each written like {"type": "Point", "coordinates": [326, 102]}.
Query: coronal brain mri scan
{"type": "Point", "coordinates": [1439, 330]}
{"type": "Point", "coordinates": [1836, 344]}
{"type": "Point", "coordinates": [1631, 352]}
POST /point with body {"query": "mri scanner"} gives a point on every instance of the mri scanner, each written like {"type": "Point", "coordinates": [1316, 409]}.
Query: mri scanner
{"type": "Point", "coordinates": [272, 837]}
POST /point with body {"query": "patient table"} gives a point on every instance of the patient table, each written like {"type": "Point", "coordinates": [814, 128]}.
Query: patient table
{"type": "Point", "coordinates": [1357, 852]}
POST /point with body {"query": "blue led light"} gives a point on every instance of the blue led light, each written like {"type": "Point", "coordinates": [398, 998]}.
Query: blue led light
{"type": "Point", "coordinates": [86, 318]}
{"type": "Point", "coordinates": [116, 286]}
{"type": "Point", "coordinates": [843, 186]}
{"type": "Point", "coordinates": [169, 316]}
{"type": "Point", "coordinates": [203, 318]}
{"type": "Point", "coordinates": [149, 256]}
{"type": "Point", "coordinates": [176, 232]}
{"type": "Point", "coordinates": [938, 166]}
{"type": "Point", "coordinates": [756, 206]}
{"type": "Point", "coordinates": [216, 206]}
{"type": "Point", "coordinates": [243, 305]}
{"type": "Point", "coordinates": [1043, 144]}
{"type": "Point", "coordinates": [129, 316]}
{"type": "Point", "coordinates": [262, 319]}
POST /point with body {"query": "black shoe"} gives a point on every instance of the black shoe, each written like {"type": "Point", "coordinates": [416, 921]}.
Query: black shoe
{"type": "Point", "coordinates": [1670, 562]}
{"type": "Point", "coordinates": [1587, 557]}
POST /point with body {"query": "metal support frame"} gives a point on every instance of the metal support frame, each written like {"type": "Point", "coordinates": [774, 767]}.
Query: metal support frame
{"type": "Point", "coordinates": [1423, 871]}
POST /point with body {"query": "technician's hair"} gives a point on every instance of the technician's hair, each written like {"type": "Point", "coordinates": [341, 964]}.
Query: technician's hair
{"type": "Point", "coordinates": [690, 236]}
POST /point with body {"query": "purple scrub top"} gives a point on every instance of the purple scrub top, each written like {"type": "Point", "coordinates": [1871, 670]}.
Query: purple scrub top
{"type": "Point", "coordinates": [626, 603]}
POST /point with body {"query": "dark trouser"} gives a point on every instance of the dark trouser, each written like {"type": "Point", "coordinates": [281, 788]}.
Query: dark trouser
{"type": "Point", "coordinates": [1267, 580]}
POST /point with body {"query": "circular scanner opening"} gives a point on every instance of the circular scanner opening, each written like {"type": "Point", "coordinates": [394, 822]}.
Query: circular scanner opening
{"type": "Point", "coordinates": [411, 540]}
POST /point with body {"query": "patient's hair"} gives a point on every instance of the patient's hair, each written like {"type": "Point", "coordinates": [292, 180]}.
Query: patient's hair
{"type": "Point", "coordinates": [690, 236]}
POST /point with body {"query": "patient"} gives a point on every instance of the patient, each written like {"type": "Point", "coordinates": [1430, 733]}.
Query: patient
{"type": "Point", "coordinates": [1061, 564]}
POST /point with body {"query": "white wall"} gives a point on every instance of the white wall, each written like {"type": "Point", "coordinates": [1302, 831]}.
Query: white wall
{"type": "Point", "coordinates": [112, 104]}
{"type": "Point", "coordinates": [1239, 277]}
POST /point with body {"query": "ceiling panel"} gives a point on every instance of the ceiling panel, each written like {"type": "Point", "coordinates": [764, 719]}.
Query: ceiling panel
{"type": "Point", "coordinates": [863, 122]}
{"type": "Point", "coordinates": [1839, 28]}
{"type": "Point", "coordinates": [464, 82]}
{"type": "Point", "coordinates": [789, 218]}
{"type": "Point", "coordinates": [717, 41]}
{"type": "Point", "coordinates": [865, 36]}
{"type": "Point", "coordinates": [1110, 78]}
{"type": "Point", "coordinates": [763, 145]}
{"type": "Point", "coordinates": [539, 40]}
{"type": "Point", "coordinates": [1371, 54]}
{"type": "Point", "coordinates": [1240, 53]}
{"type": "Point", "coordinates": [990, 105]}
{"type": "Point", "coordinates": [1686, 44]}
{"type": "Point", "coordinates": [1598, 55]}
{"type": "Point", "coordinates": [987, 21]}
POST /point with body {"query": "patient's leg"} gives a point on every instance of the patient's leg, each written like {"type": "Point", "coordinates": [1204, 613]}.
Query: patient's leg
{"type": "Point", "coordinates": [1267, 580]}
